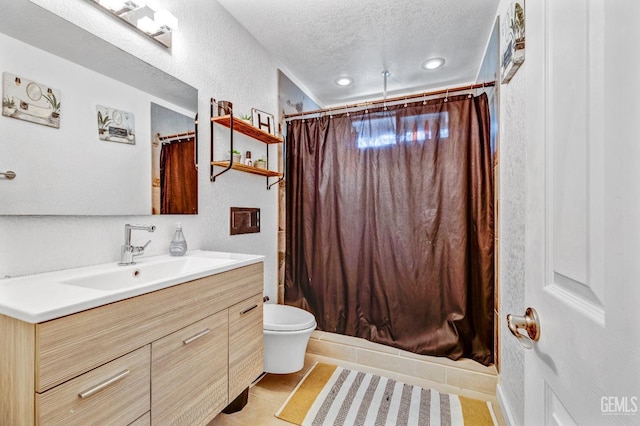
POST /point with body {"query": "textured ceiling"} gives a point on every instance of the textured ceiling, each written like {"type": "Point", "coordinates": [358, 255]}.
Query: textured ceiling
{"type": "Point", "coordinates": [321, 40]}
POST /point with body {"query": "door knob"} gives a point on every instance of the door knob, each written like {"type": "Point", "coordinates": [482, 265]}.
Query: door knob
{"type": "Point", "coordinates": [529, 324]}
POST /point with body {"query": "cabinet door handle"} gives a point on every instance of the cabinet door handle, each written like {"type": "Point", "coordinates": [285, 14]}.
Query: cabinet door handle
{"type": "Point", "coordinates": [196, 336]}
{"type": "Point", "coordinates": [248, 309]}
{"type": "Point", "coordinates": [106, 383]}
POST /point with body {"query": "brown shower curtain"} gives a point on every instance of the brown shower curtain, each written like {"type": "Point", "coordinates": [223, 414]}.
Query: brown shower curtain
{"type": "Point", "coordinates": [178, 178]}
{"type": "Point", "coordinates": [390, 225]}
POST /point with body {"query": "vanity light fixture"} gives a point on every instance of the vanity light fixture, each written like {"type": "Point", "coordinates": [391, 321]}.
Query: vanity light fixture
{"type": "Point", "coordinates": [433, 63]}
{"type": "Point", "coordinates": [344, 81]}
{"type": "Point", "coordinates": [157, 24]}
{"type": "Point", "coordinates": [120, 7]}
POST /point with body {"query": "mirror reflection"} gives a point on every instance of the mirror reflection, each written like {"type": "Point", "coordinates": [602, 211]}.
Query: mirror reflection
{"type": "Point", "coordinates": [174, 162]}
{"type": "Point", "coordinates": [91, 164]}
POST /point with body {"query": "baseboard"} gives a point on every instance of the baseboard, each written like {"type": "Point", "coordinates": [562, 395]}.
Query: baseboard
{"type": "Point", "coordinates": [505, 407]}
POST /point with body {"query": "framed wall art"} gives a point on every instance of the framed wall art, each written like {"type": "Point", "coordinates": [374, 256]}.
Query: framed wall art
{"type": "Point", "coordinates": [512, 39]}
{"type": "Point", "coordinates": [115, 125]}
{"type": "Point", "coordinates": [263, 121]}
{"type": "Point", "coordinates": [31, 101]}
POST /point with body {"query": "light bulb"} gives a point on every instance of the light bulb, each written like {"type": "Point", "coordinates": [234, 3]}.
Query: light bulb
{"type": "Point", "coordinates": [433, 63]}
{"type": "Point", "coordinates": [148, 25]}
{"type": "Point", "coordinates": [344, 81]}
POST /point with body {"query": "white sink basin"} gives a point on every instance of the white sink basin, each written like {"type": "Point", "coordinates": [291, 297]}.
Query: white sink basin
{"type": "Point", "coordinates": [43, 297]}
{"type": "Point", "coordinates": [145, 273]}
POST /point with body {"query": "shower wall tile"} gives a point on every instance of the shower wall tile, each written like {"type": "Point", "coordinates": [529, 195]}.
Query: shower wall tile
{"type": "Point", "coordinates": [410, 367]}
{"type": "Point", "coordinates": [355, 342]}
{"type": "Point", "coordinates": [464, 363]}
{"type": "Point", "coordinates": [466, 373]}
{"type": "Point", "coordinates": [471, 380]}
{"type": "Point", "coordinates": [332, 350]}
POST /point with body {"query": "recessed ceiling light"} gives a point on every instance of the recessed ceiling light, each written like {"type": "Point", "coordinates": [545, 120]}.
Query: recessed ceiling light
{"type": "Point", "coordinates": [433, 63]}
{"type": "Point", "coordinates": [344, 81]}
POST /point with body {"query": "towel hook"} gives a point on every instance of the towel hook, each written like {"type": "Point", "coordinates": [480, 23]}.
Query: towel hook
{"type": "Point", "coordinates": [446, 96]}
{"type": "Point", "coordinates": [424, 98]}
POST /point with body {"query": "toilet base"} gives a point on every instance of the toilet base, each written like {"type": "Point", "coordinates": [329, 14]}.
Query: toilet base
{"type": "Point", "coordinates": [284, 351]}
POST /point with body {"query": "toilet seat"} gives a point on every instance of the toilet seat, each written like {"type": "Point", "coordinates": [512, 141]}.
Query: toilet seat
{"type": "Point", "coordinates": [287, 318]}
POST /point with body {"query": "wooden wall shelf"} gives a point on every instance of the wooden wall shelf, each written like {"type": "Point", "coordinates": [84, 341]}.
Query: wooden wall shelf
{"type": "Point", "coordinates": [245, 128]}
{"type": "Point", "coordinates": [247, 169]}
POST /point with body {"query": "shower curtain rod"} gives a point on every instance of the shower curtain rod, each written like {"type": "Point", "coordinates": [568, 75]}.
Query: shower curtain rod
{"type": "Point", "coordinates": [178, 137]}
{"type": "Point", "coordinates": [391, 100]}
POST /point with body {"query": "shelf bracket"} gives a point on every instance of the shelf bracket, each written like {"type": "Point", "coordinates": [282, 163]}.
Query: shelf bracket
{"type": "Point", "coordinates": [284, 164]}
{"type": "Point", "coordinates": [274, 183]}
{"type": "Point", "coordinates": [229, 109]}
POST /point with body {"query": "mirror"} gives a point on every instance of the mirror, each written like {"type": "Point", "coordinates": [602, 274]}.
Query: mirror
{"type": "Point", "coordinates": [75, 169]}
{"type": "Point", "coordinates": [174, 162]}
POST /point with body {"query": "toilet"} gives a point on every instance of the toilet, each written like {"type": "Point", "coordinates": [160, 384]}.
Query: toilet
{"type": "Point", "coordinates": [287, 330]}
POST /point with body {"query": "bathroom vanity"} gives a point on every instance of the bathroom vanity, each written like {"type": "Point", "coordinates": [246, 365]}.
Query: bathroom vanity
{"type": "Point", "coordinates": [174, 349]}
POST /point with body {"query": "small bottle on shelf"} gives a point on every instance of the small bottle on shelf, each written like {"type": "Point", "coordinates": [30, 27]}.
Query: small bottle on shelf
{"type": "Point", "coordinates": [247, 160]}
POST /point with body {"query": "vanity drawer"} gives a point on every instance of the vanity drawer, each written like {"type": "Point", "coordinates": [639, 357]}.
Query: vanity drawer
{"type": "Point", "coordinates": [246, 348]}
{"type": "Point", "coordinates": [116, 393]}
{"type": "Point", "coordinates": [72, 345]}
{"type": "Point", "coordinates": [189, 373]}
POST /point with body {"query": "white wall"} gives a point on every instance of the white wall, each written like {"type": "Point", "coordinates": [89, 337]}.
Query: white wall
{"type": "Point", "coordinates": [214, 54]}
{"type": "Point", "coordinates": [511, 231]}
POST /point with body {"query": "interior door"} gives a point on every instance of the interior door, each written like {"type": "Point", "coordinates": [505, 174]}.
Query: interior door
{"type": "Point", "coordinates": [583, 211]}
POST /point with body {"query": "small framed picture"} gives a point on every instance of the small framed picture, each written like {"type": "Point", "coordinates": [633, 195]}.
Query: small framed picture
{"type": "Point", "coordinates": [115, 125]}
{"type": "Point", "coordinates": [28, 100]}
{"type": "Point", "coordinates": [263, 121]}
{"type": "Point", "coordinates": [512, 39]}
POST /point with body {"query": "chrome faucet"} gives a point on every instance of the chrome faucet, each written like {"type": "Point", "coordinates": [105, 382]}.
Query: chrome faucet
{"type": "Point", "coordinates": [127, 251]}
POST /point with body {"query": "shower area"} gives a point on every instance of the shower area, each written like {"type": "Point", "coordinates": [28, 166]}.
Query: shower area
{"type": "Point", "coordinates": [390, 223]}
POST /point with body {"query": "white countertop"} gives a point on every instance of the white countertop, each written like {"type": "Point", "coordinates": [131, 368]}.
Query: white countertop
{"type": "Point", "coordinates": [43, 297]}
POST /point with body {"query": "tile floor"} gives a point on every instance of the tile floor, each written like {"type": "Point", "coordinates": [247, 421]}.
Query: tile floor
{"type": "Point", "coordinates": [268, 394]}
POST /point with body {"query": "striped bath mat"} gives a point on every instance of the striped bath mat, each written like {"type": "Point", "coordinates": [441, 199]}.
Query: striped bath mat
{"type": "Point", "coordinates": [331, 395]}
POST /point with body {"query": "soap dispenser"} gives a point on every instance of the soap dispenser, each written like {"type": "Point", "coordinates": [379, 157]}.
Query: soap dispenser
{"type": "Point", "coordinates": [178, 245]}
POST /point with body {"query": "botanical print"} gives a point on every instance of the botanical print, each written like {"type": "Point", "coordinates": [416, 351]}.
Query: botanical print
{"type": "Point", "coordinates": [512, 40]}
{"type": "Point", "coordinates": [28, 100]}
{"type": "Point", "coordinates": [115, 125]}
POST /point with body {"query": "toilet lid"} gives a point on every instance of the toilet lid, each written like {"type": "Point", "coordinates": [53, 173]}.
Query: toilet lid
{"type": "Point", "coordinates": [287, 318]}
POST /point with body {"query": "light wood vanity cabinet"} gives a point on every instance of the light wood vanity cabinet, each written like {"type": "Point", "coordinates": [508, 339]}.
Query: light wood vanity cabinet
{"type": "Point", "coordinates": [245, 343]}
{"type": "Point", "coordinates": [189, 373]}
{"type": "Point", "coordinates": [115, 393]}
{"type": "Point", "coordinates": [188, 351]}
